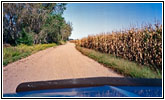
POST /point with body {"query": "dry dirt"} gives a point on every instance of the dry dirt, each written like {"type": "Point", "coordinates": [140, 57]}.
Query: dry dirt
{"type": "Point", "coordinates": [61, 62]}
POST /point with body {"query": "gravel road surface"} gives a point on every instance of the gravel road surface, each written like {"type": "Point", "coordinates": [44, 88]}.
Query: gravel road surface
{"type": "Point", "coordinates": [61, 62]}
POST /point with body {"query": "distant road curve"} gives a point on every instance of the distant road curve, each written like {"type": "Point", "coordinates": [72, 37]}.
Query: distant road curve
{"type": "Point", "coordinates": [61, 62]}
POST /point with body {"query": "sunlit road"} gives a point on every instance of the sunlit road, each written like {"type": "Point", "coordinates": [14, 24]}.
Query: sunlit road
{"type": "Point", "coordinates": [61, 62]}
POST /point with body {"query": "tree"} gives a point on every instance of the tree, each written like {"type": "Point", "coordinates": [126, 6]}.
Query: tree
{"type": "Point", "coordinates": [43, 20]}
{"type": "Point", "coordinates": [66, 31]}
{"type": "Point", "coordinates": [10, 25]}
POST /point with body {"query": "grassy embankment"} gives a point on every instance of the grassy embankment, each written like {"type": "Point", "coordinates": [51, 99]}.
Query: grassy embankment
{"type": "Point", "coordinates": [122, 66]}
{"type": "Point", "coordinates": [11, 54]}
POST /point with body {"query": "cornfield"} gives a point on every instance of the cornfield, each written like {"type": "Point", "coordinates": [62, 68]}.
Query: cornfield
{"type": "Point", "coordinates": [142, 45]}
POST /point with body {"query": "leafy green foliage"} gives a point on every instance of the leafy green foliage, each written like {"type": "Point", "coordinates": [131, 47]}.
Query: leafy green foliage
{"type": "Point", "coordinates": [30, 23]}
{"type": "Point", "coordinates": [25, 38]}
{"type": "Point", "coordinates": [55, 29]}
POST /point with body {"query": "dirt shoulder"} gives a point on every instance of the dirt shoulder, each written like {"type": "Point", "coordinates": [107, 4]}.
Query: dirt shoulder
{"type": "Point", "coordinates": [62, 62]}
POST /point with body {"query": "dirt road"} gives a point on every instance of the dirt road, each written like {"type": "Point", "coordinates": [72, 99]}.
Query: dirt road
{"type": "Point", "coordinates": [62, 62]}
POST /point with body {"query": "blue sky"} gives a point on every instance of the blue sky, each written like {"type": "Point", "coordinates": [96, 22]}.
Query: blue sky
{"type": "Point", "coordinates": [95, 18]}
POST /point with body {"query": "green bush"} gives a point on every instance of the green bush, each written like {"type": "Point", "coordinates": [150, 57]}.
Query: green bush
{"type": "Point", "coordinates": [25, 38]}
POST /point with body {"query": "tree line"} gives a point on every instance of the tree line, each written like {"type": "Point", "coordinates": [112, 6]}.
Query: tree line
{"type": "Point", "coordinates": [34, 23]}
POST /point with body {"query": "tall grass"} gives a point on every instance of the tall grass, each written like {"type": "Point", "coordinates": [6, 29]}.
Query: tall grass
{"type": "Point", "coordinates": [11, 54]}
{"type": "Point", "coordinates": [143, 45]}
{"type": "Point", "coordinates": [122, 66]}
